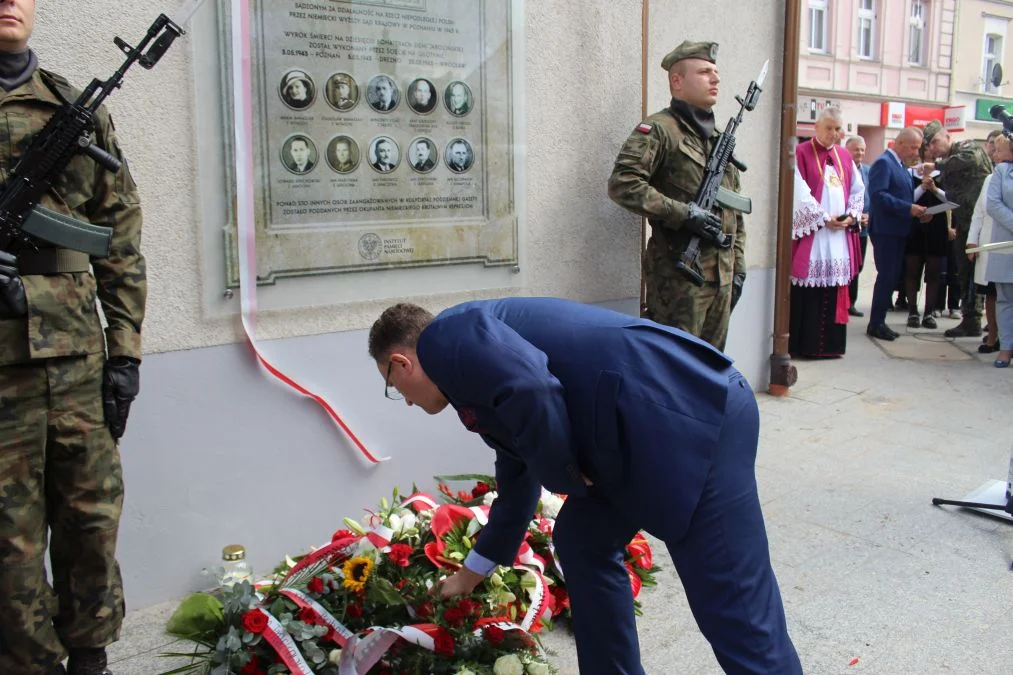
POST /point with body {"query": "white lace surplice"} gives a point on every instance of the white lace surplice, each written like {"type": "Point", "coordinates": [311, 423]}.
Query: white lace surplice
{"type": "Point", "coordinates": [830, 259]}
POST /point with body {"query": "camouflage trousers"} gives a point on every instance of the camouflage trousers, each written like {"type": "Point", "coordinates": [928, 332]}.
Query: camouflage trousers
{"type": "Point", "coordinates": [59, 467]}
{"type": "Point", "coordinates": [703, 311]}
{"type": "Point", "coordinates": [971, 304]}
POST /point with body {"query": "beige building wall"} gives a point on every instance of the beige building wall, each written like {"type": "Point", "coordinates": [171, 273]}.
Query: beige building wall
{"type": "Point", "coordinates": [983, 30]}
{"type": "Point", "coordinates": [582, 89]}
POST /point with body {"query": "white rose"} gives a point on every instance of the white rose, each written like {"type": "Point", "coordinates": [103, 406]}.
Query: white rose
{"type": "Point", "coordinates": [508, 665]}
{"type": "Point", "coordinates": [550, 504]}
{"type": "Point", "coordinates": [489, 497]}
{"type": "Point", "coordinates": [408, 520]}
{"type": "Point", "coordinates": [335, 656]}
{"type": "Point", "coordinates": [466, 672]}
{"type": "Point", "coordinates": [537, 668]}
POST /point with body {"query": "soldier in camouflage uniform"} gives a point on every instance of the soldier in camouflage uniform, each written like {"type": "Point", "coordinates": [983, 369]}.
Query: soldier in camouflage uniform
{"type": "Point", "coordinates": [62, 403]}
{"type": "Point", "coordinates": [657, 174]}
{"type": "Point", "coordinates": [964, 166]}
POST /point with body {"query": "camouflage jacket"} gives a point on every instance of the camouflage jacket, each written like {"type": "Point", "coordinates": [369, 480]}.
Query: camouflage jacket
{"type": "Point", "coordinates": [62, 313]}
{"type": "Point", "coordinates": [963, 172]}
{"type": "Point", "coordinates": [657, 173]}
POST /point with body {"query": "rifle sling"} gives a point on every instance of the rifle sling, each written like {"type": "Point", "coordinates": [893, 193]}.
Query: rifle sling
{"type": "Point", "coordinates": [52, 261]}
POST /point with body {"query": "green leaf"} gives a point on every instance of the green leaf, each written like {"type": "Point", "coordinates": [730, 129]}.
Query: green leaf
{"type": "Point", "coordinates": [383, 591]}
{"type": "Point", "coordinates": [198, 614]}
{"type": "Point", "coordinates": [479, 477]}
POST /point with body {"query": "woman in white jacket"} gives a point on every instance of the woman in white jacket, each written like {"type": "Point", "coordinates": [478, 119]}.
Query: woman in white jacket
{"type": "Point", "coordinates": [981, 233]}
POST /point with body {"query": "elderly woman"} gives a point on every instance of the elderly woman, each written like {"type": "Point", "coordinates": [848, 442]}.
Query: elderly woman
{"type": "Point", "coordinates": [1000, 263]}
{"type": "Point", "coordinates": [826, 251]}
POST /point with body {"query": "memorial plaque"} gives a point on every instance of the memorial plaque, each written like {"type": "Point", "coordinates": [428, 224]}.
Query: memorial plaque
{"type": "Point", "coordinates": [384, 135]}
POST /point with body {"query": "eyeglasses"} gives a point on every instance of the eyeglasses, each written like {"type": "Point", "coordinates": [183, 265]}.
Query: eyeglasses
{"type": "Point", "coordinates": [389, 390]}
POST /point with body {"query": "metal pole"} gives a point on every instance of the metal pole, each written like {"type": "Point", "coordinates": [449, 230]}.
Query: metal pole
{"type": "Point", "coordinates": [782, 373]}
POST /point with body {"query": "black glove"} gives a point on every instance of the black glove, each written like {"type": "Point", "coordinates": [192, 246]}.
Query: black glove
{"type": "Point", "coordinates": [120, 385]}
{"type": "Point", "coordinates": [707, 226]}
{"type": "Point", "coordinates": [13, 303]}
{"type": "Point", "coordinates": [738, 281]}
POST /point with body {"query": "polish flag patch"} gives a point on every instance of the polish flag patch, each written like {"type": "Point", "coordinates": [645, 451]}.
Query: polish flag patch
{"type": "Point", "coordinates": [644, 127]}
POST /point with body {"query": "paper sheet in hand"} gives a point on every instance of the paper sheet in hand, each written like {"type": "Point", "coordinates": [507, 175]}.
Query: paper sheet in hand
{"type": "Point", "coordinates": [939, 208]}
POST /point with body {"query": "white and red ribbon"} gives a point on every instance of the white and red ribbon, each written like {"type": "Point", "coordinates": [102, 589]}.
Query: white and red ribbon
{"type": "Point", "coordinates": [284, 646]}
{"type": "Point", "coordinates": [341, 635]}
{"type": "Point", "coordinates": [242, 69]}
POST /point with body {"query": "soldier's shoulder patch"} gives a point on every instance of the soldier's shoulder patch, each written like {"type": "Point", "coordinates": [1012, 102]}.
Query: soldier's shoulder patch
{"type": "Point", "coordinates": [644, 127]}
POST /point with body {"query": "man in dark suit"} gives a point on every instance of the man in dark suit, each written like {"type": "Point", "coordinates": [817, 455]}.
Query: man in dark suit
{"type": "Point", "coordinates": [892, 194]}
{"type": "Point", "coordinates": [856, 146]}
{"type": "Point", "coordinates": [643, 426]}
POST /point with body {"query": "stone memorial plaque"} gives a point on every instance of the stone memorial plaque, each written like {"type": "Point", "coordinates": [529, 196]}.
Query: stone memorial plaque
{"type": "Point", "coordinates": [384, 135]}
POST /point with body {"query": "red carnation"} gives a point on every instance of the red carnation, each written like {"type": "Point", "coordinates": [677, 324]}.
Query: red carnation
{"type": "Point", "coordinates": [252, 667]}
{"type": "Point", "coordinates": [470, 607]}
{"type": "Point", "coordinates": [454, 616]}
{"type": "Point", "coordinates": [255, 621]}
{"type": "Point", "coordinates": [480, 489]}
{"type": "Point", "coordinates": [495, 635]}
{"type": "Point", "coordinates": [354, 610]}
{"type": "Point", "coordinates": [307, 615]}
{"type": "Point", "coordinates": [425, 610]}
{"type": "Point", "coordinates": [316, 585]}
{"type": "Point", "coordinates": [399, 554]}
{"type": "Point", "coordinates": [444, 642]}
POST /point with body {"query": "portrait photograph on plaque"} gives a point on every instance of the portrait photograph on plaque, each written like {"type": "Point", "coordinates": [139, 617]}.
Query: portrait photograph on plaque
{"type": "Point", "coordinates": [297, 90]}
{"type": "Point", "coordinates": [384, 136]}
{"type": "Point", "coordinates": [343, 154]}
{"type": "Point", "coordinates": [342, 91]}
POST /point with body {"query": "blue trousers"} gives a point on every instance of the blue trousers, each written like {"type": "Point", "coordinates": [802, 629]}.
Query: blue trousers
{"type": "Point", "coordinates": [722, 559]}
{"type": "Point", "coordinates": [888, 251]}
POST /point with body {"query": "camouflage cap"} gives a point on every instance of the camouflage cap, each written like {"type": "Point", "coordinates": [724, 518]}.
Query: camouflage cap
{"type": "Point", "coordinates": [708, 51]}
{"type": "Point", "coordinates": [930, 130]}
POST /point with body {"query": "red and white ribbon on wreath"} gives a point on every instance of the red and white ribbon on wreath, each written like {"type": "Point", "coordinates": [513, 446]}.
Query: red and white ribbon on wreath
{"type": "Point", "coordinates": [242, 70]}
{"type": "Point", "coordinates": [284, 646]}
{"type": "Point", "coordinates": [340, 635]}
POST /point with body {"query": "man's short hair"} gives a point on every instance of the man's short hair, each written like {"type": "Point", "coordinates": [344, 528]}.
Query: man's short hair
{"type": "Point", "coordinates": [854, 139]}
{"type": "Point", "coordinates": [832, 112]}
{"type": "Point", "coordinates": [992, 134]}
{"type": "Point", "coordinates": [399, 326]}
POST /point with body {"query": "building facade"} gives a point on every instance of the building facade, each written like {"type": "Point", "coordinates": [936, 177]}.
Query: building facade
{"type": "Point", "coordinates": [887, 64]}
{"type": "Point", "coordinates": [982, 27]}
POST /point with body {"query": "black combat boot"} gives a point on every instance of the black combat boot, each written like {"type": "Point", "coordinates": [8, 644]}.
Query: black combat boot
{"type": "Point", "coordinates": [88, 662]}
{"type": "Point", "coordinates": [969, 326]}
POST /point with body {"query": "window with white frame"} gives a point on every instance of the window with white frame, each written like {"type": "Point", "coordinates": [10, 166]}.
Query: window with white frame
{"type": "Point", "coordinates": [818, 25]}
{"type": "Point", "coordinates": [916, 33]}
{"type": "Point", "coordinates": [993, 55]}
{"type": "Point", "coordinates": [867, 29]}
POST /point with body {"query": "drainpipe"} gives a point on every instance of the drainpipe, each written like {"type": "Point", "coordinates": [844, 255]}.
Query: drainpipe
{"type": "Point", "coordinates": [782, 373]}
{"type": "Point", "coordinates": [643, 113]}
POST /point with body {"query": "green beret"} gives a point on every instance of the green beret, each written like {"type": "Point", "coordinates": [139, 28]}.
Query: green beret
{"type": "Point", "coordinates": [930, 130]}
{"type": "Point", "coordinates": [708, 51]}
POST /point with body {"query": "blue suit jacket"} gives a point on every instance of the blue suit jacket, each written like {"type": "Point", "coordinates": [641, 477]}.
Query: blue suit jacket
{"type": "Point", "coordinates": [892, 194]}
{"type": "Point", "coordinates": [558, 388]}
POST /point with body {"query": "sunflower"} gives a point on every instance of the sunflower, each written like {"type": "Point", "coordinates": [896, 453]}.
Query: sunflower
{"type": "Point", "coordinates": [356, 572]}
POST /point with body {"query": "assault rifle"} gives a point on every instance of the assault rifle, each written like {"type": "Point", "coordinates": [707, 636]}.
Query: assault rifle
{"type": "Point", "coordinates": [711, 193]}
{"type": "Point", "coordinates": [68, 132]}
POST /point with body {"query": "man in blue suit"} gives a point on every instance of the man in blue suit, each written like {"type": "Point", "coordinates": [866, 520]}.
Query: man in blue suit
{"type": "Point", "coordinates": [892, 194]}
{"type": "Point", "coordinates": [643, 426]}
